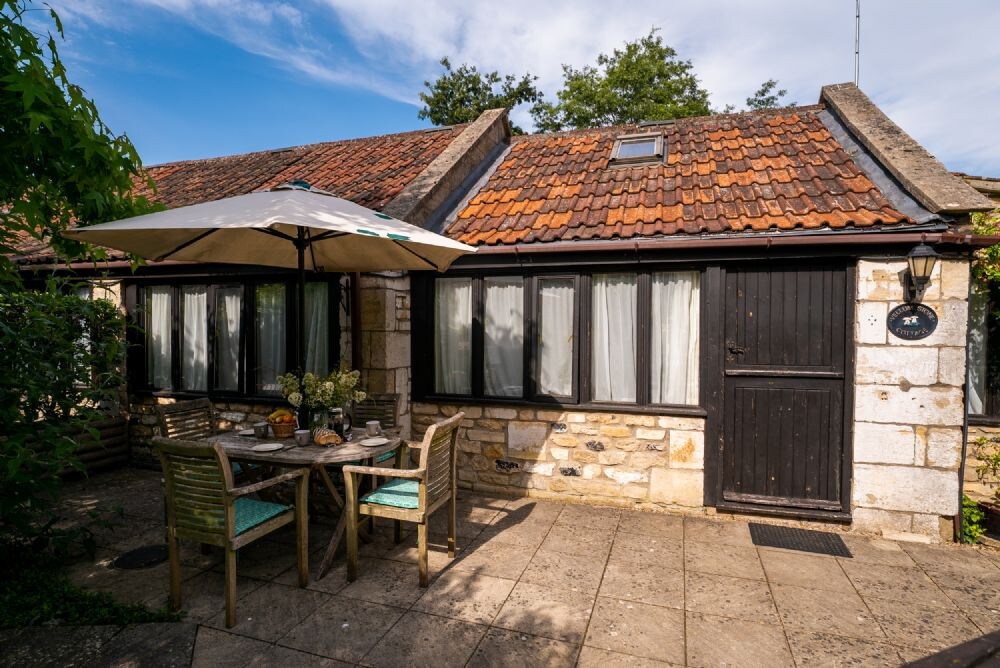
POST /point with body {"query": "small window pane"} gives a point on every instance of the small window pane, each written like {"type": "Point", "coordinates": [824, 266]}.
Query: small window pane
{"type": "Point", "coordinates": [503, 339]}
{"type": "Point", "coordinates": [555, 336]}
{"type": "Point", "coordinates": [159, 337]}
{"type": "Point", "coordinates": [613, 360]}
{"type": "Point", "coordinates": [271, 345]}
{"type": "Point", "coordinates": [979, 309]}
{"type": "Point", "coordinates": [318, 328]}
{"type": "Point", "coordinates": [228, 313]}
{"type": "Point", "coordinates": [194, 338]}
{"type": "Point", "coordinates": [674, 337]}
{"type": "Point", "coordinates": [453, 335]}
{"type": "Point", "coordinates": [637, 148]}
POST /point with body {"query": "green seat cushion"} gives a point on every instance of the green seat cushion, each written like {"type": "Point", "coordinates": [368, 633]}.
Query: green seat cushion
{"type": "Point", "coordinates": [252, 512]}
{"type": "Point", "coordinates": [385, 456]}
{"type": "Point", "coordinates": [397, 493]}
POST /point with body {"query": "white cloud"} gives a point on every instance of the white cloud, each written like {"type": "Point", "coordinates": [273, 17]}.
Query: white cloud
{"type": "Point", "coordinates": [931, 66]}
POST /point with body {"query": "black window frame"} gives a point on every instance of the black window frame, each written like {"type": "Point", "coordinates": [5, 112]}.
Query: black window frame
{"type": "Point", "coordinates": [582, 397]}
{"type": "Point", "coordinates": [135, 300]}
{"type": "Point", "coordinates": [991, 390]}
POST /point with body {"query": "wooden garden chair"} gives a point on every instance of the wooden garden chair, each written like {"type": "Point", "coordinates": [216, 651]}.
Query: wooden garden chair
{"type": "Point", "coordinates": [410, 495]}
{"type": "Point", "coordinates": [194, 420]}
{"type": "Point", "coordinates": [203, 505]}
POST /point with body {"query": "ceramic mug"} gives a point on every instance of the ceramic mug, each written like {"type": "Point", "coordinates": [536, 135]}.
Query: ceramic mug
{"type": "Point", "coordinates": [302, 436]}
{"type": "Point", "coordinates": [373, 428]}
{"type": "Point", "coordinates": [260, 430]}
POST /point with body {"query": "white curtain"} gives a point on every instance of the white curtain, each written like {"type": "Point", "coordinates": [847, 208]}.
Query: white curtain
{"type": "Point", "coordinates": [159, 335]}
{"type": "Point", "coordinates": [228, 312]}
{"type": "Point", "coordinates": [317, 317]}
{"type": "Point", "coordinates": [613, 314]}
{"type": "Point", "coordinates": [270, 336]}
{"type": "Point", "coordinates": [555, 336]}
{"type": "Point", "coordinates": [503, 337]}
{"type": "Point", "coordinates": [453, 335]}
{"type": "Point", "coordinates": [194, 341]}
{"type": "Point", "coordinates": [674, 333]}
{"type": "Point", "coordinates": [979, 309]}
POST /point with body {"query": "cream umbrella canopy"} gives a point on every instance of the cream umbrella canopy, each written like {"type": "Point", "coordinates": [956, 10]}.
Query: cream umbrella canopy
{"type": "Point", "coordinates": [293, 226]}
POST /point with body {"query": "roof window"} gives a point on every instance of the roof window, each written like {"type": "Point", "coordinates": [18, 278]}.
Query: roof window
{"type": "Point", "coordinates": [637, 148]}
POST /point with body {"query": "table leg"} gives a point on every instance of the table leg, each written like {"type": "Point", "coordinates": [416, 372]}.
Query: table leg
{"type": "Point", "coordinates": [338, 532]}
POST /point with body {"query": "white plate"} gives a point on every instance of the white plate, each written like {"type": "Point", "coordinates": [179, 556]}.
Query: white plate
{"type": "Point", "coordinates": [246, 432]}
{"type": "Point", "coordinates": [267, 447]}
{"type": "Point", "coordinates": [374, 442]}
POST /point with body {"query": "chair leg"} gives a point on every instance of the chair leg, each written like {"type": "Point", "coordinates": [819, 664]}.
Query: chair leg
{"type": "Point", "coordinates": [397, 531]}
{"type": "Point", "coordinates": [230, 587]}
{"type": "Point", "coordinates": [302, 529]}
{"type": "Point", "coordinates": [422, 552]}
{"type": "Point", "coordinates": [352, 527]}
{"type": "Point", "coordinates": [173, 555]}
{"type": "Point", "coordinates": [452, 522]}
{"type": "Point", "coordinates": [206, 549]}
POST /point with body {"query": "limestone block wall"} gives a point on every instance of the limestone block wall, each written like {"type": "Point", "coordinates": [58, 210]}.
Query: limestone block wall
{"type": "Point", "coordinates": [385, 339]}
{"type": "Point", "coordinates": [585, 456]}
{"type": "Point", "coordinates": [908, 405]}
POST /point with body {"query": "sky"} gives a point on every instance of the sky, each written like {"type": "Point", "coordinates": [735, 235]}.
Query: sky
{"type": "Point", "coordinates": [199, 78]}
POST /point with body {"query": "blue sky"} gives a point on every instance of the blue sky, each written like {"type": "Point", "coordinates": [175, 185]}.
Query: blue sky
{"type": "Point", "coordinates": [196, 78]}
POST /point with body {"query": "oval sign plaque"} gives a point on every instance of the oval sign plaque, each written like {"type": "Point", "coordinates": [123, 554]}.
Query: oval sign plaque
{"type": "Point", "coordinates": [912, 321]}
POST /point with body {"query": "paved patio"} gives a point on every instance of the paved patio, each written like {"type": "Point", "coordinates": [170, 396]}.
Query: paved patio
{"type": "Point", "coordinates": [539, 583]}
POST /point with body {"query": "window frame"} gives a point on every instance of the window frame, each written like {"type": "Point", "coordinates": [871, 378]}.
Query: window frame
{"type": "Point", "coordinates": [991, 397]}
{"type": "Point", "coordinates": [135, 300]}
{"type": "Point", "coordinates": [582, 396]}
{"type": "Point", "coordinates": [655, 157]}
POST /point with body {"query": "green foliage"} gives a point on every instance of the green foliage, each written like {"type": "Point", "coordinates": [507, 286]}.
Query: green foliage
{"type": "Point", "coordinates": [768, 96]}
{"type": "Point", "coordinates": [61, 365]}
{"type": "Point", "coordinates": [460, 96]}
{"type": "Point", "coordinates": [972, 521]}
{"type": "Point", "coordinates": [987, 451]}
{"type": "Point", "coordinates": [35, 591]}
{"type": "Point", "coordinates": [59, 162]}
{"type": "Point", "coordinates": [644, 81]}
{"type": "Point", "coordinates": [332, 391]}
{"type": "Point", "coordinates": [986, 266]}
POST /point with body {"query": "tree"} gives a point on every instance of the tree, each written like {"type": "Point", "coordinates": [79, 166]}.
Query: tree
{"type": "Point", "coordinates": [768, 96]}
{"type": "Point", "coordinates": [459, 96]}
{"type": "Point", "coordinates": [59, 162]}
{"type": "Point", "coordinates": [644, 81]}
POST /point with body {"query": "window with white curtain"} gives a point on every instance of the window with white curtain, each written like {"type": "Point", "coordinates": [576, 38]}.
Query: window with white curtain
{"type": "Point", "coordinates": [503, 337]}
{"type": "Point", "coordinates": [317, 323]}
{"type": "Point", "coordinates": [231, 337]}
{"type": "Point", "coordinates": [979, 321]}
{"type": "Point", "coordinates": [613, 337]}
{"type": "Point", "coordinates": [194, 337]}
{"type": "Point", "coordinates": [453, 335]}
{"type": "Point", "coordinates": [640, 338]}
{"type": "Point", "coordinates": [228, 316]}
{"type": "Point", "coordinates": [676, 300]}
{"type": "Point", "coordinates": [556, 345]}
{"type": "Point", "coordinates": [159, 337]}
{"type": "Point", "coordinates": [271, 342]}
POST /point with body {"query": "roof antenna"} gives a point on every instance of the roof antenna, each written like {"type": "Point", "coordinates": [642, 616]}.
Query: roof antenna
{"type": "Point", "coordinates": [857, 40]}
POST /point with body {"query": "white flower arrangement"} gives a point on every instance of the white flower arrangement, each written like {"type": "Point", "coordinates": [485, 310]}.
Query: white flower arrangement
{"type": "Point", "coordinates": [332, 391]}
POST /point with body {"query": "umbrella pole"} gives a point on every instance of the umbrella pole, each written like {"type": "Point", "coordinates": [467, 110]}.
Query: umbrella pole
{"type": "Point", "coordinates": [300, 303]}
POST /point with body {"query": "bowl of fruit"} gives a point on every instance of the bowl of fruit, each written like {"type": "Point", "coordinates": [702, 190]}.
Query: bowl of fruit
{"type": "Point", "coordinates": [283, 423]}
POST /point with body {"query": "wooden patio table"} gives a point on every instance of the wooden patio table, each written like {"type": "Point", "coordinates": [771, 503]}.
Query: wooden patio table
{"type": "Point", "coordinates": [316, 458]}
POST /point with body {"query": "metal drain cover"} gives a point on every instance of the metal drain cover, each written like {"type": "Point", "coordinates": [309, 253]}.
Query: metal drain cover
{"type": "Point", "coordinates": [141, 557]}
{"type": "Point", "coordinates": [803, 540]}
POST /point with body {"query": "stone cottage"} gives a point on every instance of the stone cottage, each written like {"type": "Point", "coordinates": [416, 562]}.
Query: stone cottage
{"type": "Point", "coordinates": [704, 315]}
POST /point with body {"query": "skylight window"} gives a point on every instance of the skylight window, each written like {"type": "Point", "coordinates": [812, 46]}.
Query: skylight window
{"type": "Point", "coordinates": [631, 149]}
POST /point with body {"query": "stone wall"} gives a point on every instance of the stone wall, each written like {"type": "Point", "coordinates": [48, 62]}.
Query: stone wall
{"type": "Point", "coordinates": [385, 339]}
{"type": "Point", "coordinates": [585, 456]}
{"type": "Point", "coordinates": [908, 405]}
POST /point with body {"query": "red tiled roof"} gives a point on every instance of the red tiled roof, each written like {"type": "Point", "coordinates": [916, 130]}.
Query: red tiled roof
{"type": "Point", "coordinates": [759, 171]}
{"type": "Point", "coordinates": [370, 171]}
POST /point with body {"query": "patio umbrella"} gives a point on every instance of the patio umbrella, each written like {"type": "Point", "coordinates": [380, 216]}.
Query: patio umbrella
{"type": "Point", "coordinates": [293, 225]}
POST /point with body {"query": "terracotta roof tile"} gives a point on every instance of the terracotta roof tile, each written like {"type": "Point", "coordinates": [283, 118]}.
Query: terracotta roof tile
{"type": "Point", "coordinates": [779, 169]}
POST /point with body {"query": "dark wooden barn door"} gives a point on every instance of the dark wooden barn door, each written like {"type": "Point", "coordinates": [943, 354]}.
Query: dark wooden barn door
{"type": "Point", "coordinates": [786, 359]}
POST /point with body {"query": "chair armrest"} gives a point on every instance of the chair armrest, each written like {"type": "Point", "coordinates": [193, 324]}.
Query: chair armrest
{"type": "Point", "coordinates": [270, 482]}
{"type": "Point", "coordinates": [415, 445]}
{"type": "Point", "coordinates": [416, 474]}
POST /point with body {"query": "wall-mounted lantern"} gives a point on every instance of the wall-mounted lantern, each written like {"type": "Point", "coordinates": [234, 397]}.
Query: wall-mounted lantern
{"type": "Point", "coordinates": [921, 261]}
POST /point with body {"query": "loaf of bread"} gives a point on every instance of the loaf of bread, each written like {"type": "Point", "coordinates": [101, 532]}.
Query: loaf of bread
{"type": "Point", "coordinates": [324, 436]}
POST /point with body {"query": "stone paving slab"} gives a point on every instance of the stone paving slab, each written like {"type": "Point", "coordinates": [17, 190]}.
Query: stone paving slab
{"type": "Point", "coordinates": [535, 583]}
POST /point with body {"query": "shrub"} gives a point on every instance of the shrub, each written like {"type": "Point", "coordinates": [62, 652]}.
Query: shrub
{"type": "Point", "coordinates": [987, 451]}
{"type": "Point", "coordinates": [972, 521]}
{"type": "Point", "coordinates": [60, 370]}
